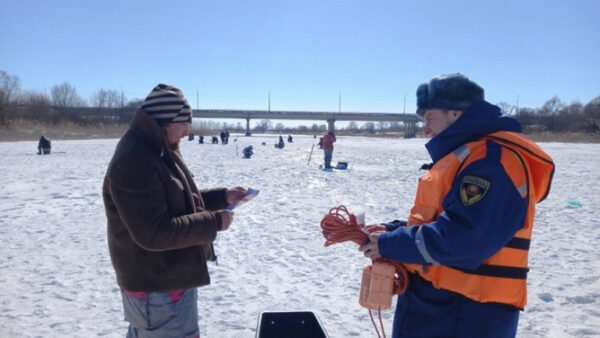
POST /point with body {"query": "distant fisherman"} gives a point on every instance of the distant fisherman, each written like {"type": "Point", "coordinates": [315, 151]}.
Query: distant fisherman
{"type": "Point", "coordinates": [280, 144]}
{"type": "Point", "coordinates": [466, 240]}
{"type": "Point", "coordinates": [248, 152]}
{"type": "Point", "coordinates": [44, 146]}
{"type": "Point", "coordinates": [327, 145]}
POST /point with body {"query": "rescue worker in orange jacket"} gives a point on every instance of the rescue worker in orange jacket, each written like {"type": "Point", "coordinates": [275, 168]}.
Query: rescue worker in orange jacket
{"type": "Point", "coordinates": [465, 243]}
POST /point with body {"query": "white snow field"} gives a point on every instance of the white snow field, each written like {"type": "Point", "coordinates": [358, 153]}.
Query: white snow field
{"type": "Point", "coordinates": [56, 279]}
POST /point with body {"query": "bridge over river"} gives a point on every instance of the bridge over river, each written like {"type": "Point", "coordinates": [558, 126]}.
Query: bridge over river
{"type": "Point", "coordinates": [126, 113]}
{"type": "Point", "coordinates": [409, 120]}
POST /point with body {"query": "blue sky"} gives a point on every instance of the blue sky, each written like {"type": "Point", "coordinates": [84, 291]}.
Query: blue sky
{"type": "Point", "coordinates": [231, 54]}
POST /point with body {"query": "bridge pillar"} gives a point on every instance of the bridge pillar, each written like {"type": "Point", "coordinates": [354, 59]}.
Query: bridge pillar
{"type": "Point", "coordinates": [331, 124]}
{"type": "Point", "coordinates": [410, 129]}
{"type": "Point", "coordinates": [248, 133]}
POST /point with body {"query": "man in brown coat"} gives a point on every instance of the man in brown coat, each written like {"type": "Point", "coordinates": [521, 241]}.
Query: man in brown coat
{"type": "Point", "coordinates": [160, 226]}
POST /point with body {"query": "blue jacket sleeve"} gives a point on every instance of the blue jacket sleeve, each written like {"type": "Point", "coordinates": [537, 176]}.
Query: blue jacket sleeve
{"type": "Point", "coordinates": [395, 224]}
{"type": "Point", "coordinates": [463, 235]}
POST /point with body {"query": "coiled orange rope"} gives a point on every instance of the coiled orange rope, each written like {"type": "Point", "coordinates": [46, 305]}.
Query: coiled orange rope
{"type": "Point", "coordinates": [339, 225]}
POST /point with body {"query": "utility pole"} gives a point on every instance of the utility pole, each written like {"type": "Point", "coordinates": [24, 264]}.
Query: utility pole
{"type": "Point", "coordinates": [340, 102]}
{"type": "Point", "coordinates": [122, 99]}
{"type": "Point", "coordinates": [269, 102]}
{"type": "Point", "coordinates": [404, 111]}
{"type": "Point", "coordinates": [197, 99]}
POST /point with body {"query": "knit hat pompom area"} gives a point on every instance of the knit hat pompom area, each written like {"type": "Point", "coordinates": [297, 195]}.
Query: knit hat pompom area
{"type": "Point", "coordinates": [452, 91]}
{"type": "Point", "coordinates": [166, 104]}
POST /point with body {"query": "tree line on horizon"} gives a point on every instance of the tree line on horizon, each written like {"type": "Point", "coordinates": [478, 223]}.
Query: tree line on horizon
{"type": "Point", "coordinates": [107, 106]}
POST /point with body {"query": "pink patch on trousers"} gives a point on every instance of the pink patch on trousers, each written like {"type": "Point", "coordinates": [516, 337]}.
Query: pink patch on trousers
{"type": "Point", "coordinates": [174, 296]}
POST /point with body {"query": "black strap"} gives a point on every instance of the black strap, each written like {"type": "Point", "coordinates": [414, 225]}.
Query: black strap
{"type": "Point", "coordinates": [426, 166]}
{"type": "Point", "coordinates": [497, 271]}
{"type": "Point", "coordinates": [518, 243]}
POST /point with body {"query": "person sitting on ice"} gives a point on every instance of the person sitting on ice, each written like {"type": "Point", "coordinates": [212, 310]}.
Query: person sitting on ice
{"type": "Point", "coordinates": [290, 139]}
{"type": "Point", "coordinates": [248, 152]}
{"type": "Point", "coordinates": [44, 146]}
{"type": "Point", "coordinates": [280, 144]}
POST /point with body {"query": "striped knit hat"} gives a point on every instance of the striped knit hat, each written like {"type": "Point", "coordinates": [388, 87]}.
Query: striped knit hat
{"type": "Point", "coordinates": [166, 104]}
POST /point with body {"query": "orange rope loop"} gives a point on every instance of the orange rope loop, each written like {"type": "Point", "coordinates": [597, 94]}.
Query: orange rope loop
{"type": "Point", "coordinates": [339, 225]}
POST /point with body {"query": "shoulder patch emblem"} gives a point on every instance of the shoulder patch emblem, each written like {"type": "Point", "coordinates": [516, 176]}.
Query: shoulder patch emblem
{"type": "Point", "coordinates": [472, 189]}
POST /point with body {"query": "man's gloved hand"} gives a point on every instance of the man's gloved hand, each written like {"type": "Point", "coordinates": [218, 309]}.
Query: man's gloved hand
{"type": "Point", "coordinates": [371, 248]}
{"type": "Point", "coordinates": [395, 224]}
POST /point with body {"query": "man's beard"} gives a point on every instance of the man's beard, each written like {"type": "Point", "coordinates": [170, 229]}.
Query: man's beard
{"type": "Point", "coordinates": [174, 146]}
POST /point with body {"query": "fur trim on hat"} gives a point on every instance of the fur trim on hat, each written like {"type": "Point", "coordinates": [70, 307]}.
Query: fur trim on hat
{"type": "Point", "coordinates": [452, 92]}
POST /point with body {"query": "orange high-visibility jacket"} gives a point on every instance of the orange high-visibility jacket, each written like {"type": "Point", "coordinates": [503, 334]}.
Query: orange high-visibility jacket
{"type": "Point", "coordinates": [502, 277]}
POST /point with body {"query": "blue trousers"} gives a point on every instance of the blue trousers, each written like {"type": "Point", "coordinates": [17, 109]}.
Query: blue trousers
{"type": "Point", "coordinates": [328, 155]}
{"type": "Point", "coordinates": [424, 311]}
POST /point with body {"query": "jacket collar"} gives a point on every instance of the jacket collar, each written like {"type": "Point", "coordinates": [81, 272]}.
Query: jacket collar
{"type": "Point", "coordinates": [144, 126]}
{"type": "Point", "coordinates": [481, 119]}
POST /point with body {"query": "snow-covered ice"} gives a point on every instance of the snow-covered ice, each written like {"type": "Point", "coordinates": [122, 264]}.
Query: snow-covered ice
{"type": "Point", "coordinates": [56, 279]}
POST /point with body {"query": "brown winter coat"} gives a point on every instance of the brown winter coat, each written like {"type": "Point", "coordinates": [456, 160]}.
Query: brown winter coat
{"type": "Point", "coordinates": [157, 240]}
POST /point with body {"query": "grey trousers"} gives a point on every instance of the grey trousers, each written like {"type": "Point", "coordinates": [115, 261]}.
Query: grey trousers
{"type": "Point", "coordinates": [156, 315]}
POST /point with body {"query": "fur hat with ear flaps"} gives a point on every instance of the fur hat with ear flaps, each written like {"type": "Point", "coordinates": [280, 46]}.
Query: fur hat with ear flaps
{"type": "Point", "coordinates": [452, 91]}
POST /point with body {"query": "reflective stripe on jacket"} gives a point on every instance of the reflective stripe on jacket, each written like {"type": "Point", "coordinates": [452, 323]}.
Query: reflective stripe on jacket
{"type": "Point", "coordinates": [500, 278]}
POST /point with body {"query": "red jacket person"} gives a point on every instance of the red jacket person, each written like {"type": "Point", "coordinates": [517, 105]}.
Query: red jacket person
{"type": "Point", "coordinates": [327, 145]}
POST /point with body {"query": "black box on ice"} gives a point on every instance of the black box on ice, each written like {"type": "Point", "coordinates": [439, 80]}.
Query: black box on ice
{"type": "Point", "coordinates": [299, 324]}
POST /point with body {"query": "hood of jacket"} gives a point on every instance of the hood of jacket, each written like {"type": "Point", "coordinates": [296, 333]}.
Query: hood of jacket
{"type": "Point", "coordinates": [146, 128]}
{"type": "Point", "coordinates": [483, 118]}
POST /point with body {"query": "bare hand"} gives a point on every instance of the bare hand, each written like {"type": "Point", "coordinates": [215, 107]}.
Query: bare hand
{"type": "Point", "coordinates": [226, 218]}
{"type": "Point", "coordinates": [376, 228]}
{"type": "Point", "coordinates": [371, 249]}
{"type": "Point", "coordinates": [234, 195]}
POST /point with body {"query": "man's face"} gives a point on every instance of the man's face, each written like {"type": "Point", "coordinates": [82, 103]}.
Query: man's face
{"type": "Point", "coordinates": [175, 131]}
{"type": "Point", "coordinates": [436, 120]}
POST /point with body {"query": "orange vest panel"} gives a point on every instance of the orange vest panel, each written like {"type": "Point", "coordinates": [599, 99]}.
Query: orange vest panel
{"type": "Point", "coordinates": [520, 157]}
